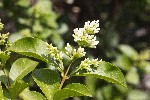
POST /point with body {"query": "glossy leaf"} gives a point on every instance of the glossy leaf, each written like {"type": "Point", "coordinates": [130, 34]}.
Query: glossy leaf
{"type": "Point", "coordinates": [31, 47]}
{"type": "Point", "coordinates": [31, 95]}
{"type": "Point", "coordinates": [16, 88]}
{"type": "Point", "coordinates": [21, 67]}
{"type": "Point", "coordinates": [72, 90]}
{"type": "Point", "coordinates": [3, 58]}
{"type": "Point", "coordinates": [48, 81]}
{"type": "Point", "coordinates": [107, 72]}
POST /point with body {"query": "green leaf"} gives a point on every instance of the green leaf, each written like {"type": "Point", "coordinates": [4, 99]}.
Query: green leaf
{"type": "Point", "coordinates": [2, 97]}
{"type": "Point", "coordinates": [21, 67]}
{"type": "Point", "coordinates": [132, 76]}
{"type": "Point", "coordinates": [72, 90]}
{"type": "Point", "coordinates": [107, 72]}
{"type": "Point", "coordinates": [3, 58]}
{"type": "Point", "coordinates": [48, 81]}
{"type": "Point", "coordinates": [3, 77]}
{"type": "Point", "coordinates": [31, 95]}
{"type": "Point", "coordinates": [16, 88]}
{"type": "Point", "coordinates": [31, 47]}
{"type": "Point", "coordinates": [129, 51]}
{"type": "Point", "coordinates": [1, 92]}
{"type": "Point", "coordinates": [137, 95]}
{"type": "Point", "coordinates": [123, 62]}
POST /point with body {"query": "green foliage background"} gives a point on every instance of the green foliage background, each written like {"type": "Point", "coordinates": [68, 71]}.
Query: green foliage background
{"type": "Point", "coordinates": [124, 37]}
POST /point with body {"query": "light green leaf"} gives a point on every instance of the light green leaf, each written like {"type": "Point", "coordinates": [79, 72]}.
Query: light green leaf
{"type": "Point", "coordinates": [137, 95]}
{"type": "Point", "coordinates": [3, 58]}
{"type": "Point", "coordinates": [132, 76]}
{"type": "Point", "coordinates": [16, 88]}
{"type": "Point", "coordinates": [31, 95]}
{"type": "Point", "coordinates": [105, 71]}
{"type": "Point", "coordinates": [21, 67]}
{"type": "Point", "coordinates": [72, 90]}
{"type": "Point", "coordinates": [31, 47]}
{"type": "Point", "coordinates": [123, 62]}
{"type": "Point", "coordinates": [129, 51]}
{"type": "Point", "coordinates": [48, 81]}
{"type": "Point", "coordinates": [1, 92]}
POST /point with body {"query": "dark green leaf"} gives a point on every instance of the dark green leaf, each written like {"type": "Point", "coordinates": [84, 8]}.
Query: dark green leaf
{"type": "Point", "coordinates": [16, 88]}
{"type": "Point", "coordinates": [72, 90]}
{"type": "Point", "coordinates": [3, 77]}
{"type": "Point", "coordinates": [31, 95]}
{"type": "Point", "coordinates": [48, 81]}
{"type": "Point", "coordinates": [21, 67]}
{"type": "Point", "coordinates": [107, 72]}
{"type": "Point", "coordinates": [31, 47]}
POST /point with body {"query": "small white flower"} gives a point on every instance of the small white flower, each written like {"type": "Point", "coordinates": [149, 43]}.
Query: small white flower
{"type": "Point", "coordinates": [68, 49]}
{"type": "Point", "coordinates": [92, 28]}
{"type": "Point", "coordinates": [73, 53]}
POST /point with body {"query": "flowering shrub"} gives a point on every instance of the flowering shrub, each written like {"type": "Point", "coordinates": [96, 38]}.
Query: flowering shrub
{"type": "Point", "coordinates": [49, 81]}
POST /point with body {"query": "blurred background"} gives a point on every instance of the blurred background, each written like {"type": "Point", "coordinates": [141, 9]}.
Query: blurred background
{"type": "Point", "coordinates": [124, 37]}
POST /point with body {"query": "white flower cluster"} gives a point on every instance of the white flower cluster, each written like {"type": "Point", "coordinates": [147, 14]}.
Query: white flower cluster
{"type": "Point", "coordinates": [85, 36]}
{"type": "Point", "coordinates": [87, 64]}
{"type": "Point", "coordinates": [73, 53]}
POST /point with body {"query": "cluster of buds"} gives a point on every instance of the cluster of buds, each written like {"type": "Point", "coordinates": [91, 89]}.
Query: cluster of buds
{"type": "Point", "coordinates": [56, 55]}
{"type": "Point", "coordinates": [3, 38]}
{"type": "Point", "coordinates": [3, 41]}
{"type": "Point", "coordinates": [1, 26]}
{"type": "Point", "coordinates": [85, 36]}
{"type": "Point", "coordinates": [73, 53]}
{"type": "Point", "coordinates": [87, 64]}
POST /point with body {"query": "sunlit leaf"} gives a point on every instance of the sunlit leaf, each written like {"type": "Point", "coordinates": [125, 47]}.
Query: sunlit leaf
{"type": "Point", "coordinates": [107, 72]}
{"type": "Point", "coordinates": [31, 95]}
{"type": "Point", "coordinates": [16, 88]}
{"type": "Point", "coordinates": [31, 47]}
{"type": "Point", "coordinates": [2, 97]}
{"type": "Point", "coordinates": [48, 81]}
{"type": "Point", "coordinates": [132, 76]}
{"type": "Point", "coordinates": [72, 90]}
{"type": "Point", "coordinates": [3, 58]}
{"type": "Point", "coordinates": [129, 51]}
{"type": "Point", "coordinates": [123, 62]}
{"type": "Point", "coordinates": [137, 95]}
{"type": "Point", "coordinates": [21, 67]}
